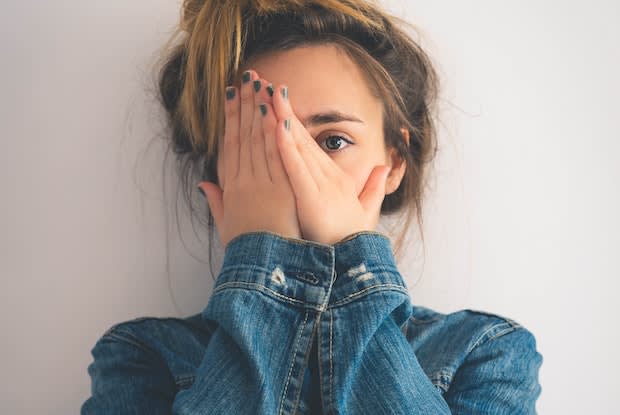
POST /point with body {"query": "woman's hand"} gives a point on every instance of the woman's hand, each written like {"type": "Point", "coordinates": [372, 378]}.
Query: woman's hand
{"type": "Point", "coordinates": [257, 195]}
{"type": "Point", "coordinates": [328, 207]}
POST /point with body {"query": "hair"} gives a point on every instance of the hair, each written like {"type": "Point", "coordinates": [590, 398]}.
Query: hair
{"type": "Point", "coordinates": [220, 37]}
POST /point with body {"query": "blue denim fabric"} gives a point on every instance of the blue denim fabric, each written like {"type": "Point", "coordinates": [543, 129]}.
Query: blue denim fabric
{"type": "Point", "coordinates": [297, 327]}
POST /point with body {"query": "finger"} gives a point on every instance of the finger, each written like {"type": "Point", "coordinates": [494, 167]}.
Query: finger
{"type": "Point", "coordinates": [259, 160]}
{"type": "Point", "coordinates": [231, 134]}
{"type": "Point", "coordinates": [310, 150]}
{"type": "Point", "coordinates": [272, 154]}
{"type": "Point", "coordinates": [298, 172]}
{"type": "Point", "coordinates": [267, 92]}
{"type": "Point", "coordinates": [246, 121]}
{"type": "Point", "coordinates": [311, 153]}
{"type": "Point", "coordinates": [373, 193]}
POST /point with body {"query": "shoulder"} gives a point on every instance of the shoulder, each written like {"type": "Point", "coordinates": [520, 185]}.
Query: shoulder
{"type": "Point", "coordinates": [444, 342]}
{"type": "Point", "coordinates": [425, 321]}
{"type": "Point", "coordinates": [151, 329]}
{"type": "Point", "coordinates": [139, 364]}
{"type": "Point", "coordinates": [160, 333]}
{"type": "Point", "coordinates": [474, 326]}
{"type": "Point", "coordinates": [175, 344]}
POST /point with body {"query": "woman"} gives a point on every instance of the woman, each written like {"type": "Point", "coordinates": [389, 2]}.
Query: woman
{"type": "Point", "coordinates": [313, 119]}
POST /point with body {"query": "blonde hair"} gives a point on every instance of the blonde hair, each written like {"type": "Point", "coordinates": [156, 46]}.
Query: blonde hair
{"type": "Point", "coordinates": [219, 37]}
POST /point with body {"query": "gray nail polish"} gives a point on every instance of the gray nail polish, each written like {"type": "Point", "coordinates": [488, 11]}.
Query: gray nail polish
{"type": "Point", "coordinates": [246, 77]}
{"type": "Point", "coordinates": [230, 93]}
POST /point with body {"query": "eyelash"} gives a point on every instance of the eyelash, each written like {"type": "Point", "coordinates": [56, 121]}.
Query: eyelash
{"type": "Point", "coordinates": [349, 142]}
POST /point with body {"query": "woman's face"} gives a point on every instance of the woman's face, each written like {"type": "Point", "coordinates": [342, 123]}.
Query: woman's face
{"type": "Point", "coordinates": [323, 80]}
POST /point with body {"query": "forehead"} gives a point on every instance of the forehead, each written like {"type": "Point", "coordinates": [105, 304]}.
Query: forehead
{"type": "Point", "coordinates": [319, 77]}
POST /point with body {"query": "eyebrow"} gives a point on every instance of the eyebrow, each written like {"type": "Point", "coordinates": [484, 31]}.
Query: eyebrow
{"type": "Point", "coordinates": [329, 117]}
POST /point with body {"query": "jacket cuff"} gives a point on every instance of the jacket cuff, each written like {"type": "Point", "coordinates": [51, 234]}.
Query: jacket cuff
{"type": "Point", "coordinates": [266, 249]}
{"type": "Point", "coordinates": [359, 251]}
{"type": "Point", "coordinates": [371, 248]}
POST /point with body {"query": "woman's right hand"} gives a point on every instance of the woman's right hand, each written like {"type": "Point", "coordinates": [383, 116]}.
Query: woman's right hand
{"type": "Point", "coordinates": [257, 194]}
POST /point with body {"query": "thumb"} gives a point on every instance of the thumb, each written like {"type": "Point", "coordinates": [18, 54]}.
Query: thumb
{"type": "Point", "coordinates": [213, 194]}
{"type": "Point", "coordinates": [374, 191]}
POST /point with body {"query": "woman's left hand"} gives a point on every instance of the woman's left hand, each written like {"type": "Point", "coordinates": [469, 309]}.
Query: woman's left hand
{"type": "Point", "coordinates": [328, 207]}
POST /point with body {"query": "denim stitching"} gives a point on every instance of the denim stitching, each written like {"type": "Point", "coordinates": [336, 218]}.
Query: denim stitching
{"type": "Point", "coordinates": [290, 370]}
{"type": "Point", "coordinates": [319, 360]}
{"type": "Point", "coordinates": [243, 267]}
{"type": "Point", "coordinates": [301, 275]}
{"type": "Point", "coordinates": [328, 295]}
{"type": "Point", "coordinates": [480, 339]}
{"type": "Point", "coordinates": [367, 232]}
{"type": "Point", "coordinates": [261, 288]}
{"type": "Point", "coordinates": [135, 320]}
{"type": "Point", "coordinates": [131, 339]}
{"type": "Point", "coordinates": [378, 287]}
{"type": "Point", "coordinates": [515, 324]}
{"type": "Point", "coordinates": [501, 333]}
{"type": "Point", "coordinates": [382, 268]}
{"type": "Point", "coordinates": [307, 358]}
{"type": "Point", "coordinates": [432, 320]}
{"type": "Point", "coordinates": [331, 358]}
{"type": "Point", "coordinates": [254, 268]}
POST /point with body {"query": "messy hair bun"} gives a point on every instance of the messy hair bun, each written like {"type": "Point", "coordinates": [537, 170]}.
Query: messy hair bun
{"type": "Point", "coordinates": [219, 37]}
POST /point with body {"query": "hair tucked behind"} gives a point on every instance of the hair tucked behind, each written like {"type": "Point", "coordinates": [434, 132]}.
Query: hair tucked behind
{"type": "Point", "coordinates": [220, 37]}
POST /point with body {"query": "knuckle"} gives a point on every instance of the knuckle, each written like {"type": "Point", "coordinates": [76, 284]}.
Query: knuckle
{"type": "Point", "coordinates": [230, 145]}
{"type": "Point", "coordinates": [271, 154]}
{"type": "Point", "coordinates": [257, 98]}
{"type": "Point", "coordinates": [247, 96]}
{"type": "Point", "coordinates": [231, 109]}
{"type": "Point", "coordinates": [257, 136]}
{"type": "Point", "coordinates": [306, 146]}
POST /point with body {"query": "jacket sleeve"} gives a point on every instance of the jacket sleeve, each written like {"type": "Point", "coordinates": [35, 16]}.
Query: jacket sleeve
{"type": "Point", "coordinates": [381, 372]}
{"type": "Point", "coordinates": [127, 377]}
{"type": "Point", "coordinates": [265, 312]}
{"type": "Point", "coordinates": [499, 377]}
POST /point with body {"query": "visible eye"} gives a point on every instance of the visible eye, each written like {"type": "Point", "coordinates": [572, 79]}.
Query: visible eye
{"type": "Point", "coordinates": [334, 143]}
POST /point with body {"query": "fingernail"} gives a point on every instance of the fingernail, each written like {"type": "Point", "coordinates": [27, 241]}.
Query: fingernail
{"type": "Point", "coordinates": [246, 77]}
{"type": "Point", "coordinates": [257, 85]}
{"type": "Point", "coordinates": [270, 90]}
{"type": "Point", "coordinates": [202, 191]}
{"type": "Point", "coordinates": [230, 93]}
{"type": "Point", "coordinates": [263, 109]}
{"type": "Point", "coordinates": [285, 92]}
{"type": "Point", "coordinates": [287, 124]}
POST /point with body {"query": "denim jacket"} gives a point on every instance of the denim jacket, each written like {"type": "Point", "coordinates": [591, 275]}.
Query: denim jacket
{"type": "Point", "coordinates": [298, 327]}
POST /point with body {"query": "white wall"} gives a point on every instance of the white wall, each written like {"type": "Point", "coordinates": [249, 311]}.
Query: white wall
{"type": "Point", "coordinates": [522, 221]}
